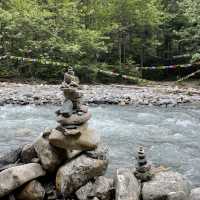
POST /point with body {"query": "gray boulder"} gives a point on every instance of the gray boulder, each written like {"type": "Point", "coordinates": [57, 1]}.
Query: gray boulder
{"type": "Point", "coordinates": [50, 156]}
{"type": "Point", "coordinates": [76, 173]}
{"type": "Point", "coordinates": [87, 140]}
{"type": "Point", "coordinates": [28, 153]}
{"type": "Point", "coordinates": [127, 186]}
{"type": "Point", "coordinates": [32, 191]}
{"type": "Point", "coordinates": [165, 185]}
{"type": "Point", "coordinates": [195, 194]}
{"type": "Point", "coordinates": [12, 178]}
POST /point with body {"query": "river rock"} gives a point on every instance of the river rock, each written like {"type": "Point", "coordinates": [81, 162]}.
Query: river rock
{"type": "Point", "coordinates": [73, 153]}
{"type": "Point", "coordinates": [74, 119]}
{"type": "Point", "coordinates": [85, 192]}
{"type": "Point", "coordinates": [28, 153]}
{"type": "Point", "coordinates": [87, 140]}
{"type": "Point", "coordinates": [177, 196]}
{"type": "Point", "coordinates": [163, 184]}
{"type": "Point", "coordinates": [12, 178]}
{"type": "Point", "coordinates": [103, 188]}
{"type": "Point", "coordinates": [127, 186]}
{"type": "Point", "coordinates": [50, 156]}
{"type": "Point", "coordinates": [101, 152]}
{"type": "Point", "coordinates": [76, 173]}
{"type": "Point", "coordinates": [66, 110]}
{"type": "Point", "coordinates": [72, 93]}
{"type": "Point", "coordinates": [10, 157]}
{"type": "Point", "coordinates": [32, 191]}
{"type": "Point", "coordinates": [195, 194]}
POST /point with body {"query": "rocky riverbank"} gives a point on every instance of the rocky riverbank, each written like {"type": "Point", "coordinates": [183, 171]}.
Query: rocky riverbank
{"type": "Point", "coordinates": [155, 94]}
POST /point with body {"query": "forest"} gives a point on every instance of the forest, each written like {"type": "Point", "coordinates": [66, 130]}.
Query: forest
{"type": "Point", "coordinates": [115, 35]}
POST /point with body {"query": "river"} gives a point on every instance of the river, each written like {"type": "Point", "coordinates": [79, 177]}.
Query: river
{"type": "Point", "coordinates": [171, 136]}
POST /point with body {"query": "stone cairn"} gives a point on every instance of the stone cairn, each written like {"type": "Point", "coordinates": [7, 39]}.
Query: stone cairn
{"type": "Point", "coordinates": [143, 169]}
{"type": "Point", "coordinates": [67, 162]}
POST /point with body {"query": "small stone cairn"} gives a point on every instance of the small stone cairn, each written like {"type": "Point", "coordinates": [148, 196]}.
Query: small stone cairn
{"type": "Point", "coordinates": [67, 162]}
{"type": "Point", "coordinates": [143, 169]}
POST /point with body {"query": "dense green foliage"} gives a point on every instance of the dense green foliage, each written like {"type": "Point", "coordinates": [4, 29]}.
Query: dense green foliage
{"type": "Point", "coordinates": [111, 34]}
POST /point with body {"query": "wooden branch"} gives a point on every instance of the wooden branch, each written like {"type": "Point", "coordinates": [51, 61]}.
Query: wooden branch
{"type": "Point", "coordinates": [188, 76]}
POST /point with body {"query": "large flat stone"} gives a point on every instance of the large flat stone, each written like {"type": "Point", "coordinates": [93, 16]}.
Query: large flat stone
{"type": "Point", "coordinates": [12, 178]}
{"type": "Point", "coordinates": [166, 185]}
{"type": "Point", "coordinates": [87, 140]}
{"type": "Point", "coordinates": [127, 186]}
{"type": "Point", "coordinates": [76, 173]}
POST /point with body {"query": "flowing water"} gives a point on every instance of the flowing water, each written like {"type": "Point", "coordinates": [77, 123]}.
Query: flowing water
{"type": "Point", "coordinates": [171, 136]}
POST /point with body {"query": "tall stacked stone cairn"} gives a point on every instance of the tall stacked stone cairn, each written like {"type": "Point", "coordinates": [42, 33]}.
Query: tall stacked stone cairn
{"type": "Point", "coordinates": [67, 162]}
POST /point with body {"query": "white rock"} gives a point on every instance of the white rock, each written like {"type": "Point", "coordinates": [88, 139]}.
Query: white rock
{"type": "Point", "coordinates": [127, 186]}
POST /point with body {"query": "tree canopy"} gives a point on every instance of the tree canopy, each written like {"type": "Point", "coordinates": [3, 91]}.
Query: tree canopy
{"type": "Point", "coordinates": [98, 33]}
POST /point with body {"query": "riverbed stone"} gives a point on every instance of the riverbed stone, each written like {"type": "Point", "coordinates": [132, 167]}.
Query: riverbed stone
{"type": "Point", "coordinates": [164, 184]}
{"type": "Point", "coordinates": [73, 153]}
{"type": "Point", "coordinates": [74, 119]}
{"type": "Point", "coordinates": [28, 153]}
{"type": "Point", "coordinates": [10, 157]}
{"type": "Point", "coordinates": [85, 191]}
{"type": "Point", "coordinates": [127, 186]}
{"type": "Point", "coordinates": [31, 191]}
{"type": "Point", "coordinates": [66, 110]}
{"type": "Point", "coordinates": [72, 93]}
{"type": "Point", "coordinates": [103, 188]}
{"type": "Point", "coordinates": [12, 178]}
{"type": "Point", "coordinates": [50, 156]}
{"type": "Point", "coordinates": [177, 196]}
{"type": "Point", "coordinates": [101, 152]}
{"type": "Point", "coordinates": [76, 173]}
{"type": "Point", "coordinates": [87, 140]}
{"type": "Point", "coordinates": [195, 194]}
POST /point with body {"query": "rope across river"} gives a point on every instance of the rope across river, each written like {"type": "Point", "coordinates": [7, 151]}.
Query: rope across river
{"type": "Point", "coordinates": [140, 80]}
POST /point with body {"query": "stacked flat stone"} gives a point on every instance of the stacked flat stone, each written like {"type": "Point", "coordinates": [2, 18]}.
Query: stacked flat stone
{"type": "Point", "coordinates": [73, 133]}
{"type": "Point", "coordinates": [143, 169]}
